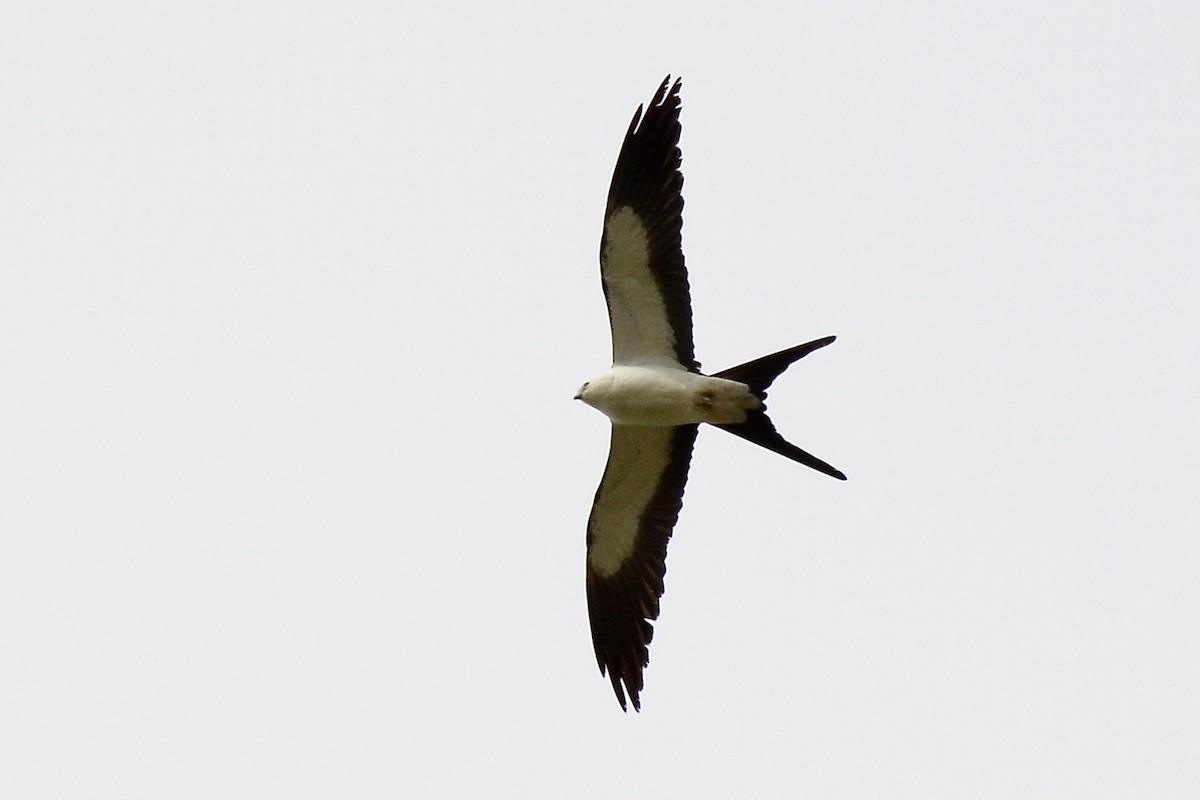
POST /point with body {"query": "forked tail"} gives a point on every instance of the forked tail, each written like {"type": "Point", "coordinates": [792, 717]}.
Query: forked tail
{"type": "Point", "coordinates": [758, 375]}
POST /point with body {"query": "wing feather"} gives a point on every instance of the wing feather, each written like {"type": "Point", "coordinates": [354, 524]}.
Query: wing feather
{"type": "Point", "coordinates": [634, 512]}
{"type": "Point", "coordinates": [641, 253]}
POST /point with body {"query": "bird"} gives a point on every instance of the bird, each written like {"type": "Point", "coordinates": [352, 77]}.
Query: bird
{"type": "Point", "coordinates": [655, 395]}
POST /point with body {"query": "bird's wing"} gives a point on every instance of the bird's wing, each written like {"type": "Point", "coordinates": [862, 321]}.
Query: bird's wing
{"type": "Point", "coordinates": [641, 254]}
{"type": "Point", "coordinates": [635, 509]}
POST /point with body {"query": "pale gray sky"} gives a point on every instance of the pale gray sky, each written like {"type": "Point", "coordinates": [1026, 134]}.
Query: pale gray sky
{"type": "Point", "coordinates": [293, 491]}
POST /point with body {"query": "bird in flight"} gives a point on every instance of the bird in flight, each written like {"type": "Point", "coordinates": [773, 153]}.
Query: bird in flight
{"type": "Point", "coordinates": [655, 395]}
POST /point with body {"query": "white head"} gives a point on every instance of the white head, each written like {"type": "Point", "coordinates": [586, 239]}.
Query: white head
{"type": "Point", "coordinates": [593, 391]}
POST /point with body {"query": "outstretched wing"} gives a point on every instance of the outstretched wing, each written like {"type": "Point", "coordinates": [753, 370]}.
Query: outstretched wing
{"type": "Point", "coordinates": [641, 252]}
{"type": "Point", "coordinates": [635, 510]}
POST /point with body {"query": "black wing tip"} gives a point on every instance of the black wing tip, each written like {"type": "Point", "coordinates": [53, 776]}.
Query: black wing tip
{"type": "Point", "coordinates": [667, 92]}
{"type": "Point", "coordinates": [666, 88]}
{"type": "Point", "coordinates": [624, 683]}
{"type": "Point", "coordinates": [621, 688]}
{"type": "Point", "coordinates": [663, 93]}
{"type": "Point", "coordinates": [623, 649]}
{"type": "Point", "coordinates": [666, 99]}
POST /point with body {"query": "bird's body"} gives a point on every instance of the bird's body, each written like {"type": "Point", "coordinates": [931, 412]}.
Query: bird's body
{"type": "Point", "coordinates": [642, 395]}
{"type": "Point", "coordinates": [655, 395]}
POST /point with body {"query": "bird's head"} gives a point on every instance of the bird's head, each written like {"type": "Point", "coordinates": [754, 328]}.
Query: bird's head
{"type": "Point", "coordinates": [592, 392]}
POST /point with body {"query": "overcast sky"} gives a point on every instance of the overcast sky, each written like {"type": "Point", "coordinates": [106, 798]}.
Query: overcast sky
{"type": "Point", "coordinates": [293, 301]}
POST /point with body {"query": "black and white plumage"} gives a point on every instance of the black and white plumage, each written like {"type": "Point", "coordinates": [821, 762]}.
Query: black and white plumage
{"type": "Point", "coordinates": [655, 395]}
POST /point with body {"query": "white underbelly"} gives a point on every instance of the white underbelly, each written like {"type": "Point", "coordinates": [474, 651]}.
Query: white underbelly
{"type": "Point", "coordinates": [664, 396]}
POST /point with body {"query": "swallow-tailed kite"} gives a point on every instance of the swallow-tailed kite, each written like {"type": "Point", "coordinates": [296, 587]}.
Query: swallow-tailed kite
{"type": "Point", "coordinates": [655, 395]}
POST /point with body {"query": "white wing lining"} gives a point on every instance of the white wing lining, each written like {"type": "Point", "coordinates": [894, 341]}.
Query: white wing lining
{"type": "Point", "coordinates": [641, 331]}
{"type": "Point", "coordinates": [637, 459]}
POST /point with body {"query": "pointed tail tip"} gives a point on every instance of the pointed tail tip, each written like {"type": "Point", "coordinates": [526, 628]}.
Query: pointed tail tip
{"type": "Point", "coordinates": [821, 467]}
{"type": "Point", "coordinates": [815, 344]}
